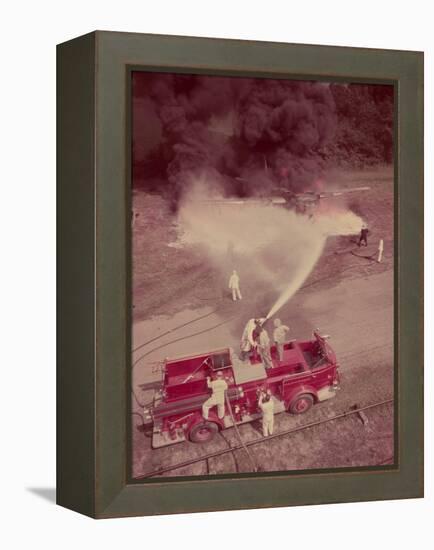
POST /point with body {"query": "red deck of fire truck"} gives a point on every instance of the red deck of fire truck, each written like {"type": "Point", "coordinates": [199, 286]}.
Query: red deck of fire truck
{"type": "Point", "coordinates": [307, 374]}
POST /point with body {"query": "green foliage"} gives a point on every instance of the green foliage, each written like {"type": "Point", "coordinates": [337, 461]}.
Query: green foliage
{"type": "Point", "coordinates": [364, 132]}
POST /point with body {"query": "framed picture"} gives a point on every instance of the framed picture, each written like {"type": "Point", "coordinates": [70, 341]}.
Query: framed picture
{"type": "Point", "coordinates": [240, 274]}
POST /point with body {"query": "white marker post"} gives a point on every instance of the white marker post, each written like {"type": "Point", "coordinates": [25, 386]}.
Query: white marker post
{"type": "Point", "coordinates": [380, 250]}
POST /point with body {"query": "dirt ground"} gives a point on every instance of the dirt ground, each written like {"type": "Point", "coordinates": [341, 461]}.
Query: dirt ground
{"type": "Point", "coordinates": [348, 295]}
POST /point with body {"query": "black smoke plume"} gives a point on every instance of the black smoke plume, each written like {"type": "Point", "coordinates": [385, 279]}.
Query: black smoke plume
{"type": "Point", "coordinates": [248, 136]}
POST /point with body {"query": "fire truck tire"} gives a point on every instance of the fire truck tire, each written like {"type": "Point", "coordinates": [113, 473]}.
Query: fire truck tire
{"type": "Point", "coordinates": [301, 403]}
{"type": "Point", "coordinates": [203, 432]}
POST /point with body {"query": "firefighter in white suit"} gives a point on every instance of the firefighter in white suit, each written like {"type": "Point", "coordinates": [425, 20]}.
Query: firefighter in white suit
{"type": "Point", "coordinates": [248, 342]}
{"type": "Point", "coordinates": [264, 348]}
{"type": "Point", "coordinates": [234, 286]}
{"type": "Point", "coordinates": [279, 336]}
{"type": "Point", "coordinates": [266, 405]}
{"type": "Point", "coordinates": [218, 387]}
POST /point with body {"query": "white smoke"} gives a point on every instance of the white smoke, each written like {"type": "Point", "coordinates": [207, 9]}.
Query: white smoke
{"type": "Point", "coordinates": [265, 243]}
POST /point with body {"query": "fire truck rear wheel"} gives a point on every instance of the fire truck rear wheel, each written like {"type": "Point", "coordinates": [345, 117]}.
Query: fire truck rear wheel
{"type": "Point", "coordinates": [301, 404]}
{"type": "Point", "coordinates": [203, 432]}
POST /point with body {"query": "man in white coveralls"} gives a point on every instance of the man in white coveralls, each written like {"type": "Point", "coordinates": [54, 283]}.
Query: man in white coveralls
{"type": "Point", "coordinates": [234, 285]}
{"type": "Point", "coordinates": [248, 342]}
{"type": "Point", "coordinates": [264, 348]}
{"type": "Point", "coordinates": [218, 387]}
{"type": "Point", "coordinates": [279, 336]}
{"type": "Point", "coordinates": [266, 405]}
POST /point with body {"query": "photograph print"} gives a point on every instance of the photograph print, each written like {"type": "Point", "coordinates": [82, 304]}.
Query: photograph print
{"type": "Point", "coordinates": [262, 250]}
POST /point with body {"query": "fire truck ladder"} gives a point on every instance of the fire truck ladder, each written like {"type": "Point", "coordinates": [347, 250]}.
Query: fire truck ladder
{"type": "Point", "coordinates": [237, 431]}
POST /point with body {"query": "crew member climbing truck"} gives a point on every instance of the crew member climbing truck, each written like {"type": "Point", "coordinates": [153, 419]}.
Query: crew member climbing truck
{"type": "Point", "coordinates": [306, 374]}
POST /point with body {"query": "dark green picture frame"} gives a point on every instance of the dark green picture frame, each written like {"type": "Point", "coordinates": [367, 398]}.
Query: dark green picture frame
{"type": "Point", "coordinates": [94, 266]}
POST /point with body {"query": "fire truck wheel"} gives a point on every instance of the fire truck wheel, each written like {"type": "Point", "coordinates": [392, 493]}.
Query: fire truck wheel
{"type": "Point", "coordinates": [203, 432]}
{"type": "Point", "coordinates": [301, 404]}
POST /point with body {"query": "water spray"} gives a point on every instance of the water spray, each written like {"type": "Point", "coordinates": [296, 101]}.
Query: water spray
{"type": "Point", "coordinates": [341, 223]}
{"type": "Point", "coordinates": [299, 277]}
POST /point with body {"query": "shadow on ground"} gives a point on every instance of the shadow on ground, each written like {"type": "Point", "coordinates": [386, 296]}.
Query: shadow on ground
{"type": "Point", "coordinates": [47, 493]}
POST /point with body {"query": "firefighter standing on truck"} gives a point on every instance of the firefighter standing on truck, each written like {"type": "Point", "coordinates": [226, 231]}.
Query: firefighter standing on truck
{"type": "Point", "coordinates": [264, 348]}
{"type": "Point", "coordinates": [218, 387]}
{"type": "Point", "coordinates": [248, 342]}
{"type": "Point", "coordinates": [279, 336]}
{"type": "Point", "coordinates": [265, 403]}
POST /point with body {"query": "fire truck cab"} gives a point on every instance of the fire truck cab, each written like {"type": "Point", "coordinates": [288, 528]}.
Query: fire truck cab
{"type": "Point", "coordinates": [307, 374]}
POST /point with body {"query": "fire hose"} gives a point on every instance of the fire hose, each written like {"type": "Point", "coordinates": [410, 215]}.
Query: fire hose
{"type": "Point", "coordinates": [237, 431]}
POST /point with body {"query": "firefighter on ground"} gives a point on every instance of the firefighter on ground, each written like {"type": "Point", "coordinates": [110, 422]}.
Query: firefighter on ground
{"type": "Point", "coordinates": [234, 286]}
{"type": "Point", "coordinates": [248, 340]}
{"type": "Point", "coordinates": [363, 235]}
{"type": "Point", "coordinates": [264, 348]}
{"type": "Point", "coordinates": [218, 387]}
{"type": "Point", "coordinates": [279, 336]}
{"type": "Point", "coordinates": [265, 403]}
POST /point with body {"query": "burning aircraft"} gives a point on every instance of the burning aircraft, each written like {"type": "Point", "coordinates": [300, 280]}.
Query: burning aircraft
{"type": "Point", "coordinates": [303, 203]}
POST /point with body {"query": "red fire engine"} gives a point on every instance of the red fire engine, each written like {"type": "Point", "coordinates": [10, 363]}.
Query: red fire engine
{"type": "Point", "coordinates": [307, 374]}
